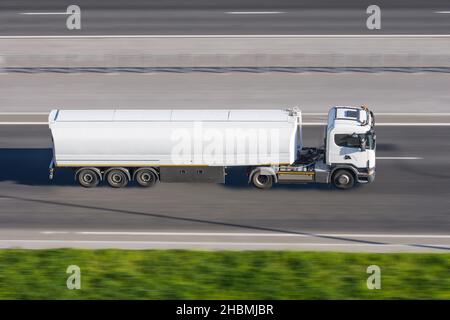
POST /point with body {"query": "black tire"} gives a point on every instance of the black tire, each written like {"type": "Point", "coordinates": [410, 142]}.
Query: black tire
{"type": "Point", "coordinates": [146, 178]}
{"type": "Point", "coordinates": [262, 181]}
{"type": "Point", "coordinates": [117, 178]}
{"type": "Point", "coordinates": [343, 179]}
{"type": "Point", "coordinates": [88, 178]}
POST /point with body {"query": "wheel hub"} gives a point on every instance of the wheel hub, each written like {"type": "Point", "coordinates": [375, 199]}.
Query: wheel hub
{"type": "Point", "coordinates": [262, 179]}
{"type": "Point", "coordinates": [344, 179]}
{"type": "Point", "coordinates": [117, 178]}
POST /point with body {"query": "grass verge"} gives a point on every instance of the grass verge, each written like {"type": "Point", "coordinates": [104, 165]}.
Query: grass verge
{"type": "Point", "coordinates": [177, 274]}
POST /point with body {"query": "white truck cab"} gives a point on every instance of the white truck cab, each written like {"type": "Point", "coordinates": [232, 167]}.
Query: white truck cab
{"type": "Point", "coordinates": [351, 141]}
{"type": "Point", "coordinates": [347, 156]}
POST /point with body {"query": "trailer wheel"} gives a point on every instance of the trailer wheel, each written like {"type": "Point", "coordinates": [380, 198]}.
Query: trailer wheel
{"type": "Point", "coordinates": [146, 178]}
{"type": "Point", "coordinates": [343, 179]}
{"type": "Point", "coordinates": [88, 178]}
{"type": "Point", "coordinates": [262, 181]}
{"type": "Point", "coordinates": [117, 178]}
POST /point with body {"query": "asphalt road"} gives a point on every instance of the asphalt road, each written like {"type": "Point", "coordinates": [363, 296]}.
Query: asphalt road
{"type": "Point", "coordinates": [312, 92]}
{"type": "Point", "coordinates": [405, 209]}
{"type": "Point", "coordinates": [140, 17]}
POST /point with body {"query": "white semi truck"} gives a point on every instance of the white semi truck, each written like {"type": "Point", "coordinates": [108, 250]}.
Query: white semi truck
{"type": "Point", "coordinates": [148, 146]}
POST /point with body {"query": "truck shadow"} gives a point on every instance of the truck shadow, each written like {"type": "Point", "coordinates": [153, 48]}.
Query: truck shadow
{"type": "Point", "coordinates": [30, 167]}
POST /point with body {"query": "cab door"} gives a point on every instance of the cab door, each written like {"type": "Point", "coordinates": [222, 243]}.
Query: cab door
{"type": "Point", "coordinates": [345, 148]}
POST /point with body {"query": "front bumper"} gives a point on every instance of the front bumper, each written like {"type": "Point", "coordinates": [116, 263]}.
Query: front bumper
{"type": "Point", "coordinates": [366, 175]}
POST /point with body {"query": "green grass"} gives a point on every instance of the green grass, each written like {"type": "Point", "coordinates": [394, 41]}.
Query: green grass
{"type": "Point", "coordinates": [175, 274]}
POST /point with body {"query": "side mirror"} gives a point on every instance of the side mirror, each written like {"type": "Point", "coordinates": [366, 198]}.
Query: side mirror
{"type": "Point", "coordinates": [362, 143]}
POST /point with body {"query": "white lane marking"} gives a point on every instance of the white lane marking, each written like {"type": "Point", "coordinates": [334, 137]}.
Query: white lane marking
{"type": "Point", "coordinates": [419, 236]}
{"type": "Point", "coordinates": [445, 12]}
{"type": "Point", "coordinates": [42, 13]}
{"type": "Point", "coordinates": [54, 232]}
{"type": "Point", "coordinates": [313, 123]}
{"type": "Point", "coordinates": [33, 241]}
{"type": "Point", "coordinates": [250, 234]}
{"type": "Point", "coordinates": [385, 124]}
{"type": "Point", "coordinates": [22, 113]}
{"type": "Point", "coordinates": [428, 114]}
{"type": "Point", "coordinates": [23, 123]}
{"type": "Point", "coordinates": [254, 12]}
{"type": "Point", "coordinates": [404, 114]}
{"type": "Point", "coordinates": [414, 124]}
{"type": "Point", "coordinates": [418, 114]}
{"type": "Point", "coordinates": [233, 36]}
{"type": "Point", "coordinates": [399, 158]}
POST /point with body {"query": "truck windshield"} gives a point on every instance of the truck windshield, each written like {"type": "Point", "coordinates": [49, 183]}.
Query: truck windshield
{"type": "Point", "coordinates": [351, 141]}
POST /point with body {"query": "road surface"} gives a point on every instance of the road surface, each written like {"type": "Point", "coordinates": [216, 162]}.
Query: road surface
{"type": "Point", "coordinates": [312, 92]}
{"type": "Point", "coordinates": [405, 209]}
{"type": "Point", "coordinates": [140, 17]}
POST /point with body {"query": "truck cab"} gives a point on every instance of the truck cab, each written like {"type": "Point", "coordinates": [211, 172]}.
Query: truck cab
{"type": "Point", "coordinates": [346, 158]}
{"type": "Point", "coordinates": [350, 144]}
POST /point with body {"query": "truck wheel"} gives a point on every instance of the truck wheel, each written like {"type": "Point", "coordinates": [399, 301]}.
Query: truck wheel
{"type": "Point", "coordinates": [262, 181]}
{"type": "Point", "coordinates": [343, 179]}
{"type": "Point", "coordinates": [88, 178]}
{"type": "Point", "coordinates": [117, 178]}
{"type": "Point", "coordinates": [146, 178]}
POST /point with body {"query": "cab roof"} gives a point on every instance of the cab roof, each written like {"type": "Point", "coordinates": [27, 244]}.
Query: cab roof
{"type": "Point", "coordinates": [356, 119]}
{"type": "Point", "coordinates": [353, 114]}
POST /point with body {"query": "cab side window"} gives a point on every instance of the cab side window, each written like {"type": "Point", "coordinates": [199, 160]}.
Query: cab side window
{"type": "Point", "coordinates": [346, 140]}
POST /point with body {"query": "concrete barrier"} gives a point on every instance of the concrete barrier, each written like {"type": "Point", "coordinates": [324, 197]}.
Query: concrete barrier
{"type": "Point", "coordinates": [296, 51]}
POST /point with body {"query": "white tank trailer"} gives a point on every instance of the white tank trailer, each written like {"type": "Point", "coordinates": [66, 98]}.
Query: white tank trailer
{"type": "Point", "coordinates": [150, 146]}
